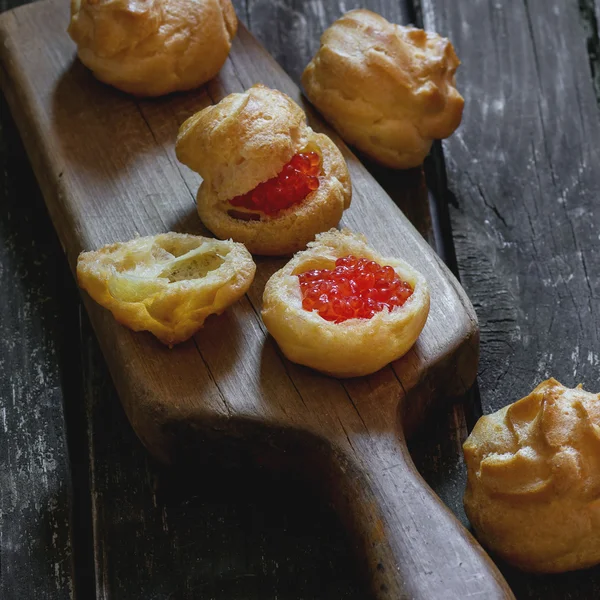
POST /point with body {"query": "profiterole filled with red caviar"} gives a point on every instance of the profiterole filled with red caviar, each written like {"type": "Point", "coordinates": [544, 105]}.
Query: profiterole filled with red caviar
{"type": "Point", "coordinates": [343, 308]}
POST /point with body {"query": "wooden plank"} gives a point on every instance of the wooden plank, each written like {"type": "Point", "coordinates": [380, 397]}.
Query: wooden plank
{"type": "Point", "coordinates": [523, 170]}
{"type": "Point", "coordinates": [101, 158]}
{"type": "Point", "coordinates": [35, 489]}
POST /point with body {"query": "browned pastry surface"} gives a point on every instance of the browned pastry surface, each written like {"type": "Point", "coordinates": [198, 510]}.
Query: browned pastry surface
{"type": "Point", "coordinates": [153, 47]}
{"type": "Point", "coordinates": [533, 490]}
{"type": "Point", "coordinates": [387, 89]}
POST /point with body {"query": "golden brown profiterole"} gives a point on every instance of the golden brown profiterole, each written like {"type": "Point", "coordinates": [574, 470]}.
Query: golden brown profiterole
{"type": "Point", "coordinates": [387, 89]}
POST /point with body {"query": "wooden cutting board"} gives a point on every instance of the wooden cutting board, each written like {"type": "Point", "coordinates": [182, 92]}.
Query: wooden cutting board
{"type": "Point", "coordinates": [107, 167]}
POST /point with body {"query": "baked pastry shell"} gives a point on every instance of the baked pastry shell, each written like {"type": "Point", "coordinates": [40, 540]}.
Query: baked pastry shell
{"type": "Point", "coordinates": [146, 290]}
{"type": "Point", "coordinates": [533, 480]}
{"type": "Point", "coordinates": [387, 89]}
{"type": "Point", "coordinates": [291, 229]}
{"type": "Point", "coordinates": [153, 47]}
{"type": "Point", "coordinates": [354, 347]}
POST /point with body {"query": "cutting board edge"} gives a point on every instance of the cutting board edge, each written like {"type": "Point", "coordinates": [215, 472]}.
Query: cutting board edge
{"type": "Point", "coordinates": [465, 342]}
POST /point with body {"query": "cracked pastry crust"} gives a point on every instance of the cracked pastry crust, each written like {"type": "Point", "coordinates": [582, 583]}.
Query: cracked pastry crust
{"type": "Point", "coordinates": [153, 47]}
{"type": "Point", "coordinates": [389, 90]}
{"type": "Point", "coordinates": [167, 284]}
{"type": "Point", "coordinates": [246, 139]}
{"type": "Point", "coordinates": [533, 488]}
{"type": "Point", "coordinates": [354, 347]}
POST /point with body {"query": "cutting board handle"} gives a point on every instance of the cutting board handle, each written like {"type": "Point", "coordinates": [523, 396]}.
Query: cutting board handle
{"type": "Point", "coordinates": [413, 546]}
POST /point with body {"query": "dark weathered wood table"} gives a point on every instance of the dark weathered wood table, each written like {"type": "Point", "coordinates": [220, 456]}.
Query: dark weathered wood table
{"type": "Point", "coordinates": [85, 513]}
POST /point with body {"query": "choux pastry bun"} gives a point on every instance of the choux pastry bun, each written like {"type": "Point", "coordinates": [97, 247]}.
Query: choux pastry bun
{"type": "Point", "coordinates": [387, 89]}
{"type": "Point", "coordinates": [533, 488]}
{"type": "Point", "coordinates": [153, 47]}
{"type": "Point", "coordinates": [342, 308]}
{"type": "Point", "coordinates": [269, 181]}
{"type": "Point", "coordinates": [167, 284]}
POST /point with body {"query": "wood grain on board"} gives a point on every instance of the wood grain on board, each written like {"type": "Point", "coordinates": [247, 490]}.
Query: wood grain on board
{"type": "Point", "coordinates": [107, 169]}
{"type": "Point", "coordinates": [526, 222]}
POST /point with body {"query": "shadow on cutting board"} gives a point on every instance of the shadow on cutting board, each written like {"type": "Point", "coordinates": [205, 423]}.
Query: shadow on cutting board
{"type": "Point", "coordinates": [205, 532]}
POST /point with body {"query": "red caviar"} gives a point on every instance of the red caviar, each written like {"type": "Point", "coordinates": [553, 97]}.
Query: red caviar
{"type": "Point", "coordinates": [297, 179]}
{"type": "Point", "coordinates": [356, 289]}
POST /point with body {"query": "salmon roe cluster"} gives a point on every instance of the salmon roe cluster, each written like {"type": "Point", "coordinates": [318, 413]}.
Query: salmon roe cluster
{"type": "Point", "coordinates": [356, 288]}
{"type": "Point", "coordinates": [298, 178]}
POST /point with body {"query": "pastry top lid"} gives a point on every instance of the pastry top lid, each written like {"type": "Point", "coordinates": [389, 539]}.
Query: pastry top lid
{"type": "Point", "coordinates": [243, 140]}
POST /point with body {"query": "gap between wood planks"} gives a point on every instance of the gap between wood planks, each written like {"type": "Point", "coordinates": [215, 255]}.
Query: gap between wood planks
{"type": "Point", "coordinates": [470, 408]}
{"type": "Point", "coordinates": [590, 16]}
